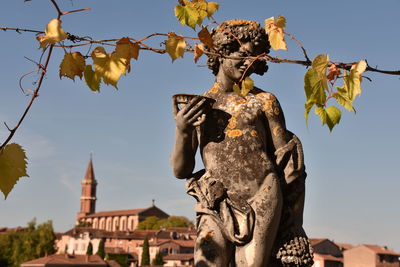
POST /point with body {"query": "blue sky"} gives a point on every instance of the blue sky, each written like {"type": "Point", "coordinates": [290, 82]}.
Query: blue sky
{"type": "Point", "coordinates": [353, 181]}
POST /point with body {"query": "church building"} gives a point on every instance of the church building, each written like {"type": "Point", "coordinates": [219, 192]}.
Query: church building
{"type": "Point", "coordinates": [114, 220]}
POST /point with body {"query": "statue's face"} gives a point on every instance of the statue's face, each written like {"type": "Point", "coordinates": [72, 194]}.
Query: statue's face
{"type": "Point", "coordinates": [233, 69]}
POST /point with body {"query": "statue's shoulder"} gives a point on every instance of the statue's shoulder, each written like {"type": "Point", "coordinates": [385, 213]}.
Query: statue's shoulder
{"type": "Point", "coordinates": [263, 95]}
{"type": "Point", "coordinates": [212, 91]}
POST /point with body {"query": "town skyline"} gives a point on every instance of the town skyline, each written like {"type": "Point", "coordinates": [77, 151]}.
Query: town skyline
{"type": "Point", "coordinates": [352, 184]}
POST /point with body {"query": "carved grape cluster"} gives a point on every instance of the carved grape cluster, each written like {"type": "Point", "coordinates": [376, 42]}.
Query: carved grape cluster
{"type": "Point", "coordinates": [296, 252]}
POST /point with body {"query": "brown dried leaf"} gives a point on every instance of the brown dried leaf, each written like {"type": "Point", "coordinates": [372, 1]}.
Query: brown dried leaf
{"type": "Point", "coordinates": [198, 52]}
{"type": "Point", "coordinates": [205, 37]}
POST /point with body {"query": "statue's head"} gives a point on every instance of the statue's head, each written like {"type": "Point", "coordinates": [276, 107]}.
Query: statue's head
{"type": "Point", "coordinates": [228, 37]}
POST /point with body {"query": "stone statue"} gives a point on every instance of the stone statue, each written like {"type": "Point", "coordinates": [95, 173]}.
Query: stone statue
{"type": "Point", "coordinates": [250, 194]}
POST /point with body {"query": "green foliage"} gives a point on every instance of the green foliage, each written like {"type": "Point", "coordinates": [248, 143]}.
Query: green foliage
{"type": "Point", "coordinates": [145, 253]}
{"type": "Point", "coordinates": [89, 250]}
{"type": "Point", "coordinates": [330, 116]}
{"type": "Point", "coordinates": [101, 250]}
{"type": "Point", "coordinates": [12, 167]}
{"type": "Point", "coordinates": [318, 86]}
{"type": "Point", "coordinates": [154, 223]}
{"type": "Point", "coordinates": [192, 13]}
{"type": "Point", "coordinates": [122, 259]}
{"type": "Point", "coordinates": [33, 242]}
{"type": "Point", "coordinates": [158, 260]}
{"type": "Point", "coordinates": [245, 87]}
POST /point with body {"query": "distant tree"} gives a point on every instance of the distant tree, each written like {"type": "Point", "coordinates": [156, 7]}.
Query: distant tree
{"type": "Point", "coordinates": [149, 223]}
{"type": "Point", "coordinates": [122, 259]}
{"type": "Point", "coordinates": [145, 253]}
{"type": "Point", "coordinates": [82, 223]}
{"type": "Point", "coordinates": [158, 260]}
{"type": "Point", "coordinates": [101, 250]}
{"type": "Point", "coordinates": [28, 244]}
{"type": "Point", "coordinates": [154, 223]}
{"type": "Point", "coordinates": [89, 250]}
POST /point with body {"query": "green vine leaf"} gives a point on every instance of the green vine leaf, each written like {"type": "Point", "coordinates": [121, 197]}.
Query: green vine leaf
{"type": "Point", "coordinates": [92, 79]}
{"type": "Point", "coordinates": [192, 13]}
{"type": "Point", "coordinates": [187, 15]}
{"type": "Point", "coordinates": [245, 87]}
{"type": "Point", "coordinates": [330, 116]}
{"type": "Point", "coordinates": [316, 83]}
{"type": "Point", "coordinates": [12, 167]}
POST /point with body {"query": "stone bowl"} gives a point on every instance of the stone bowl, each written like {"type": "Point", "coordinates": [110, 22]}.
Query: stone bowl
{"type": "Point", "coordinates": [180, 100]}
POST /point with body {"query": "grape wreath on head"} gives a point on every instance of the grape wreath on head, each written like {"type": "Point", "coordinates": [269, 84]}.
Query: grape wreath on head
{"type": "Point", "coordinates": [227, 38]}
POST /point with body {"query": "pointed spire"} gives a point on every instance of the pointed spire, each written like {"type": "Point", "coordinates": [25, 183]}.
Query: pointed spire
{"type": "Point", "coordinates": [89, 171]}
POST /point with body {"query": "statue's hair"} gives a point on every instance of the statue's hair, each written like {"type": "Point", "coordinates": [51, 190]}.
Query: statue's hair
{"type": "Point", "coordinates": [225, 42]}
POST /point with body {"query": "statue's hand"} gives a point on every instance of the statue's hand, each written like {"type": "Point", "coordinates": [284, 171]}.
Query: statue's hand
{"type": "Point", "coordinates": [191, 115]}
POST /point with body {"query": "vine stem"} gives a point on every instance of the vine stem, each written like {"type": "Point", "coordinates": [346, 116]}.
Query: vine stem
{"type": "Point", "coordinates": [19, 30]}
{"type": "Point", "coordinates": [299, 44]}
{"type": "Point", "coordinates": [34, 96]}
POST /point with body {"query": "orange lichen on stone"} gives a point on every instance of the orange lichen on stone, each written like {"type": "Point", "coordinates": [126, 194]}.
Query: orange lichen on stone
{"type": "Point", "coordinates": [277, 131]}
{"type": "Point", "coordinates": [240, 102]}
{"type": "Point", "coordinates": [276, 111]}
{"type": "Point", "coordinates": [241, 22]}
{"type": "Point", "coordinates": [232, 123]}
{"type": "Point", "coordinates": [214, 89]}
{"type": "Point", "coordinates": [267, 107]}
{"type": "Point", "coordinates": [253, 133]}
{"type": "Point", "coordinates": [265, 95]}
{"type": "Point", "coordinates": [234, 133]}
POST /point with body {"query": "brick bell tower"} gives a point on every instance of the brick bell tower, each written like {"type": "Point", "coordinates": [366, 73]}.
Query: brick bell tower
{"type": "Point", "coordinates": [88, 195]}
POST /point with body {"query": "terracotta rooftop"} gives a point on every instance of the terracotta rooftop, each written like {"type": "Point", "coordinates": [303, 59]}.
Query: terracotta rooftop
{"type": "Point", "coordinates": [328, 257]}
{"type": "Point", "coordinates": [115, 213]}
{"type": "Point", "coordinates": [4, 230]}
{"type": "Point", "coordinates": [182, 243]}
{"type": "Point", "coordinates": [344, 246]}
{"type": "Point", "coordinates": [183, 230]}
{"type": "Point", "coordinates": [69, 260]}
{"type": "Point", "coordinates": [381, 250]}
{"type": "Point", "coordinates": [316, 241]}
{"type": "Point", "coordinates": [113, 263]}
{"type": "Point", "coordinates": [186, 257]}
{"type": "Point", "coordinates": [137, 234]}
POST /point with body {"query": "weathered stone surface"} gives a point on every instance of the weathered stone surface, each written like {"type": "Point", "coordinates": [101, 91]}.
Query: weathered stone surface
{"type": "Point", "coordinates": [251, 192]}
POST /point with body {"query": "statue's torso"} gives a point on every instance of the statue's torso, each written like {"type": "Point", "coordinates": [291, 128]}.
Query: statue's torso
{"type": "Point", "coordinates": [234, 141]}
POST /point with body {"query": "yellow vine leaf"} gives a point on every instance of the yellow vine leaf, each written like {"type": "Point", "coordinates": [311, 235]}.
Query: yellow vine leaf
{"type": "Point", "coordinates": [125, 50]}
{"type": "Point", "coordinates": [54, 33]}
{"type": "Point", "coordinates": [211, 8]}
{"type": "Point", "coordinates": [245, 87]}
{"type": "Point", "coordinates": [175, 46]}
{"type": "Point", "coordinates": [275, 30]}
{"type": "Point", "coordinates": [12, 167]}
{"type": "Point", "coordinates": [198, 52]}
{"type": "Point", "coordinates": [92, 79]}
{"type": "Point", "coordinates": [73, 64]}
{"type": "Point", "coordinates": [205, 37]}
{"type": "Point", "coordinates": [109, 67]}
{"type": "Point", "coordinates": [356, 72]}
